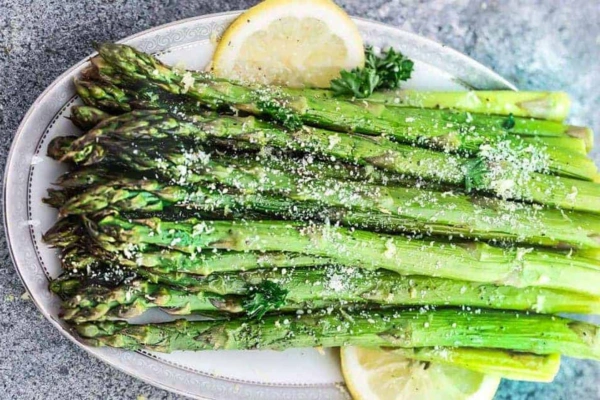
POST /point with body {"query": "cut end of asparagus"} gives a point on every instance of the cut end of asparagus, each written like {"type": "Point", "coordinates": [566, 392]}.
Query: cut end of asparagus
{"type": "Point", "coordinates": [584, 133]}
{"type": "Point", "coordinates": [503, 363]}
{"type": "Point", "coordinates": [549, 105]}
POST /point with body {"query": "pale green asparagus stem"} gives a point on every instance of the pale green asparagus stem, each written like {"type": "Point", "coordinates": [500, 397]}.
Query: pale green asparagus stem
{"type": "Point", "coordinates": [553, 106]}
{"type": "Point", "coordinates": [538, 334]}
{"type": "Point", "coordinates": [476, 262]}
{"type": "Point", "coordinates": [502, 363]}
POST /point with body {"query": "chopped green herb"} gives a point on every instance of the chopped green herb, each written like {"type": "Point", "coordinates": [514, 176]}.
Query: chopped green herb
{"type": "Point", "coordinates": [393, 68]}
{"type": "Point", "coordinates": [386, 71]}
{"type": "Point", "coordinates": [359, 83]}
{"type": "Point", "coordinates": [476, 170]}
{"type": "Point", "coordinates": [265, 297]}
{"type": "Point", "coordinates": [509, 123]}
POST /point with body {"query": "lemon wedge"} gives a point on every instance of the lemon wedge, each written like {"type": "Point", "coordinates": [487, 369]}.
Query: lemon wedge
{"type": "Point", "coordinates": [294, 43]}
{"type": "Point", "coordinates": [374, 374]}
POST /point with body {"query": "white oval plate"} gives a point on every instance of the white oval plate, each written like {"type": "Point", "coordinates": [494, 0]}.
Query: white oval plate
{"type": "Point", "coordinates": [293, 374]}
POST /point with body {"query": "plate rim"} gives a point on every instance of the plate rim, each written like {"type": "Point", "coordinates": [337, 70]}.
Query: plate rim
{"type": "Point", "coordinates": [463, 58]}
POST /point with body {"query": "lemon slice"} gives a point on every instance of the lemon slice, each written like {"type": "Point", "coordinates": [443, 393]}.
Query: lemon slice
{"type": "Point", "coordinates": [374, 374]}
{"type": "Point", "coordinates": [292, 43]}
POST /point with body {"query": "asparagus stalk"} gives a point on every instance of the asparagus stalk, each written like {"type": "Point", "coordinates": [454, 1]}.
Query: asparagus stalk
{"type": "Point", "coordinates": [351, 285]}
{"type": "Point", "coordinates": [96, 93]}
{"type": "Point", "coordinates": [101, 303]}
{"type": "Point", "coordinates": [540, 334]}
{"type": "Point", "coordinates": [172, 261]}
{"type": "Point", "coordinates": [202, 304]}
{"type": "Point", "coordinates": [331, 285]}
{"type": "Point", "coordinates": [207, 264]}
{"type": "Point", "coordinates": [80, 254]}
{"type": "Point", "coordinates": [450, 130]}
{"type": "Point", "coordinates": [294, 107]}
{"type": "Point", "coordinates": [290, 195]}
{"type": "Point", "coordinates": [97, 303]}
{"type": "Point", "coordinates": [379, 153]}
{"type": "Point", "coordinates": [493, 174]}
{"type": "Point", "coordinates": [306, 167]}
{"type": "Point", "coordinates": [503, 363]}
{"type": "Point", "coordinates": [552, 106]}
{"type": "Point", "coordinates": [476, 262]}
{"type": "Point", "coordinates": [75, 181]}
{"type": "Point", "coordinates": [86, 117]}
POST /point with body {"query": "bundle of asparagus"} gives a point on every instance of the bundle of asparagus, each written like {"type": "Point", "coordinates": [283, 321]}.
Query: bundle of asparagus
{"type": "Point", "coordinates": [292, 218]}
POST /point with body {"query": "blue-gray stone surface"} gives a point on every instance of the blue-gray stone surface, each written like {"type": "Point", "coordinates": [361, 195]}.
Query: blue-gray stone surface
{"type": "Point", "coordinates": [537, 44]}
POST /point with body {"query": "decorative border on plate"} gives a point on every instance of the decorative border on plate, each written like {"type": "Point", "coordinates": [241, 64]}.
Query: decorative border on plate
{"type": "Point", "coordinates": [39, 145]}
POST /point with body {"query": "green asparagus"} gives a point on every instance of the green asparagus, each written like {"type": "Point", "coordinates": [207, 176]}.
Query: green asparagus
{"type": "Point", "coordinates": [293, 107]}
{"type": "Point", "coordinates": [540, 334]}
{"type": "Point", "coordinates": [292, 195]}
{"type": "Point", "coordinates": [96, 93]}
{"type": "Point", "coordinates": [477, 262]}
{"type": "Point", "coordinates": [85, 177]}
{"type": "Point", "coordinates": [507, 364]}
{"type": "Point", "coordinates": [493, 174]}
{"type": "Point", "coordinates": [109, 97]}
{"type": "Point", "coordinates": [552, 106]}
{"type": "Point", "coordinates": [176, 302]}
{"type": "Point", "coordinates": [332, 285]}
{"type": "Point", "coordinates": [65, 233]}
{"type": "Point", "coordinates": [287, 233]}
{"type": "Point", "coordinates": [135, 298]}
{"type": "Point", "coordinates": [352, 285]}
{"type": "Point", "coordinates": [159, 260]}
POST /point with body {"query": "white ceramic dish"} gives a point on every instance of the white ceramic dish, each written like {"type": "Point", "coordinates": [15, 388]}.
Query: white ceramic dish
{"type": "Point", "coordinates": [293, 374]}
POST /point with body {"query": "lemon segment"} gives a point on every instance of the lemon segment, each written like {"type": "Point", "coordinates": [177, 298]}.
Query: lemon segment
{"type": "Point", "coordinates": [374, 374]}
{"type": "Point", "coordinates": [294, 43]}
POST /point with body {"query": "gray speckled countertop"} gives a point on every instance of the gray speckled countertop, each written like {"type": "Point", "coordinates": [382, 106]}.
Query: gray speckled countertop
{"type": "Point", "coordinates": [537, 44]}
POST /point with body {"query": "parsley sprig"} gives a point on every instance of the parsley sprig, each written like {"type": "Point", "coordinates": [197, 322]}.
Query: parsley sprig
{"type": "Point", "coordinates": [475, 173]}
{"type": "Point", "coordinates": [265, 297]}
{"type": "Point", "coordinates": [509, 123]}
{"type": "Point", "coordinates": [385, 71]}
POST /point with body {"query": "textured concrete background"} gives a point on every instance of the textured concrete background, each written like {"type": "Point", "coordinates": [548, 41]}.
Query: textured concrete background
{"type": "Point", "coordinates": [537, 44]}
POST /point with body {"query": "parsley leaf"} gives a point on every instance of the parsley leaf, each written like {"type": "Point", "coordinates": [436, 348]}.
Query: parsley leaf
{"type": "Point", "coordinates": [393, 69]}
{"type": "Point", "coordinates": [264, 297]}
{"type": "Point", "coordinates": [358, 82]}
{"type": "Point", "coordinates": [475, 173]}
{"type": "Point", "coordinates": [509, 122]}
{"type": "Point", "coordinates": [386, 71]}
